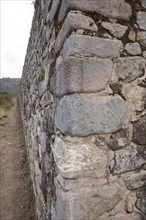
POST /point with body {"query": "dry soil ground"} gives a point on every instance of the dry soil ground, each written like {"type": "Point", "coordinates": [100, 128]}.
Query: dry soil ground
{"type": "Point", "coordinates": [16, 196]}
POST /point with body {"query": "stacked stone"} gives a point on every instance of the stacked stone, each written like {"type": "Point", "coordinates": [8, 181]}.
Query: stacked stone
{"type": "Point", "coordinates": [83, 104]}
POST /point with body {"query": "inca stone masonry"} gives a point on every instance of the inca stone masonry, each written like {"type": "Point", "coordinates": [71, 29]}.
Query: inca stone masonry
{"type": "Point", "coordinates": [83, 106]}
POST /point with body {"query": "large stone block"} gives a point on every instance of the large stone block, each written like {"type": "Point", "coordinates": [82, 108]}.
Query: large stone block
{"type": "Point", "coordinates": [89, 74]}
{"type": "Point", "coordinates": [74, 22]}
{"type": "Point", "coordinates": [129, 68]}
{"type": "Point", "coordinates": [79, 159]}
{"type": "Point", "coordinates": [113, 9]}
{"type": "Point", "coordinates": [85, 202]}
{"type": "Point", "coordinates": [81, 116]}
{"type": "Point", "coordinates": [81, 45]}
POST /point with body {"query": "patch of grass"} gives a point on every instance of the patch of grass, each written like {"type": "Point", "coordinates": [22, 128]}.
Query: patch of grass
{"type": "Point", "coordinates": [6, 103]}
{"type": "Point", "coordinates": [42, 73]}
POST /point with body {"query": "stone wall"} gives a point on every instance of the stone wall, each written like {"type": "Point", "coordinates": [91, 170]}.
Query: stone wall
{"type": "Point", "coordinates": [83, 106]}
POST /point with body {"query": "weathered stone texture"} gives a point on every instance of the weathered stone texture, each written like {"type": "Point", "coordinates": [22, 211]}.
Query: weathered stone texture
{"type": "Point", "coordinates": [74, 22]}
{"type": "Point", "coordinates": [136, 180]}
{"type": "Point", "coordinates": [83, 106]}
{"type": "Point", "coordinates": [139, 131]}
{"type": "Point", "coordinates": [141, 205]}
{"type": "Point", "coordinates": [88, 74]}
{"type": "Point", "coordinates": [95, 202]}
{"type": "Point", "coordinates": [123, 217]}
{"type": "Point", "coordinates": [141, 20]}
{"type": "Point", "coordinates": [117, 30]}
{"type": "Point", "coordinates": [141, 37]}
{"type": "Point", "coordinates": [143, 3]}
{"type": "Point", "coordinates": [77, 160]}
{"type": "Point", "coordinates": [119, 140]}
{"type": "Point", "coordinates": [129, 68]}
{"type": "Point", "coordinates": [115, 9]}
{"type": "Point", "coordinates": [81, 116]}
{"type": "Point", "coordinates": [133, 48]}
{"type": "Point", "coordinates": [80, 45]}
{"type": "Point", "coordinates": [128, 160]}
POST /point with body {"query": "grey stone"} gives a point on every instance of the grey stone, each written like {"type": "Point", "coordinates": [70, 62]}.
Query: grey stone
{"type": "Point", "coordinates": [85, 202]}
{"type": "Point", "coordinates": [143, 3]}
{"type": "Point", "coordinates": [134, 216]}
{"type": "Point", "coordinates": [74, 22]}
{"type": "Point", "coordinates": [130, 202]}
{"type": "Point", "coordinates": [115, 9]}
{"type": "Point", "coordinates": [80, 116]}
{"type": "Point", "coordinates": [41, 88]}
{"type": "Point", "coordinates": [133, 48]}
{"type": "Point", "coordinates": [79, 45]}
{"type": "Point", "coordinates": [89, 74]}
{"type": "Point", "coordinates": [79, 159]}
{"type": "Point", "coordinates": [141, 37]}
{"type": "Point", "coordinates": [128, 160]}
{"type": "Point", "coordinates": [54, 7]}
{"type": "Point", "coordinates": [139, 131]}
{"type": "Point", "coordinates": [141, 192]}
{"type": "Point", "coordinates": [117, 30]}
{"type": "Point", "coordinates": [141, 204]}
{"type": "Point", "coordinates": [129, 68]}
{"type": "Point", "coordinates": [46, 99]}
{"type": "Point", "coordinates": [136, 180]}
{"type": "Point", "coordinates": [144, 54]}
{"type": "Point", "coordinates": [119, 140]}
{"type": "Point", "coordinates": [141, 20]}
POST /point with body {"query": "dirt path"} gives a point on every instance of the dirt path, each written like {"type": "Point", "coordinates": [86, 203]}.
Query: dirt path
{"type": "Point", "coordinates": [16, 197]}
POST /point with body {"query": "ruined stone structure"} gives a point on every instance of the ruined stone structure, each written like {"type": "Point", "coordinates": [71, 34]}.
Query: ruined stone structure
{"type": "Point", "coordinates": [83, 106]}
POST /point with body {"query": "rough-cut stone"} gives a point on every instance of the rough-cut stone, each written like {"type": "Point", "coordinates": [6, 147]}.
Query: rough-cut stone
{"type": "Point", "coordinates": [130, 202]}
{"type": "Point", "coordinates": [123, 217]}
{"type": "Point", "coordinates": [144, 54]}
{"type": "Point", "coordinates": [133, 48]}
{"type": "Point", "coordinates": [77, 160]}
{"type": "Point", "coordinates": [141, 204]}
{"type": "Point", "coordinates": [143, 3]}
{"type": "Point", "coordinates": [139, 131]}
{"type": "Point", "coordinates": [141, 37]}
{"type": "Point", "coordinates": [128, 160]}
{"type": "Point", "coordinates": [46, 99]}
{"type": "Point", "coordinates": [89, 74]}
{"type": "Point", "coordinates": [85, 202]}
{"type": "Point", "coordinates": [141, 192]}
{"type": "Point", "coordinates": [118, 140]}
{"type": "Point", "coordinates": [132, 35]}
{"type": "Point", "coordinates": [74, 22]}
{"type": "Point", "coordinates": [81, 45]}
{"type": "Point", "coordinates": [81, 116]}
{"type": "Point", "coordinates": [141, 20]}
{"type": "Point", "coordinates": [129, 68]}
{"type": "Point", "coordinates": [54, 7]}
{"type": "Point", "coordinates": [137, 180]}
{"type": "Point", "coordinates": [115, 9]}
{"type": "Point", "coordinates": [136, 97]}
{"type": "Point", "coordinates": [117, 30]}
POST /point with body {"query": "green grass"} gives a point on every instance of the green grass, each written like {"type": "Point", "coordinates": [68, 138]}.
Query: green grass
{"type": "Point", "coordinates": [42, 73]}
{"type": "Point", "coordinates": [6, 103]}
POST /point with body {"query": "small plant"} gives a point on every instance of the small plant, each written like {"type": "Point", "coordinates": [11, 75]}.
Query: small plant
{"type": "Point", "coordinates": [42, 73]}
